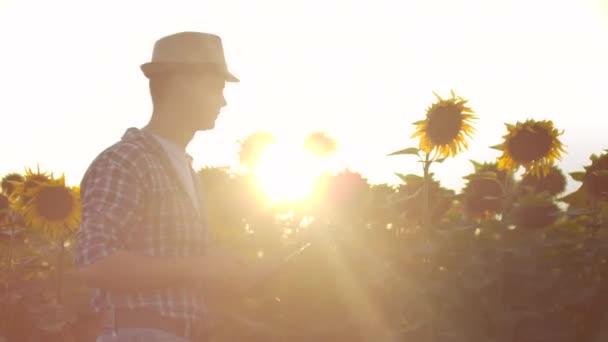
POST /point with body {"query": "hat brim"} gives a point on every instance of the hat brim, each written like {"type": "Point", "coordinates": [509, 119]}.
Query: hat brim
{"type": "Point", "coordinates": [154, 68]}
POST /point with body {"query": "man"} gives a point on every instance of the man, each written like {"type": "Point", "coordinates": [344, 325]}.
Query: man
{"type": "Point", "coordinates": [143, 239]}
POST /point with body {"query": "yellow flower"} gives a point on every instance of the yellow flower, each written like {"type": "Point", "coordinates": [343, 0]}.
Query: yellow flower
{"type": "Point", "coordinates": [29, 182]}
{"type": "Point", "coordinates": [8, 183]}
{"type": "Point", "coordinates": [54, 207]}
{"type": "Point", "coordinates": [535, 145]}
{"type": "Point", "coordinates": [447, 124]}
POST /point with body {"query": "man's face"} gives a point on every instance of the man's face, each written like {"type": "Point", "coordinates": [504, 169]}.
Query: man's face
{"type": "Point", "coordinates": [200, 98]}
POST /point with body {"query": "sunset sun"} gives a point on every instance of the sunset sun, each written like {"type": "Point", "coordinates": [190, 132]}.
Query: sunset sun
{"type": "Point", "coordinates": [286, 174]}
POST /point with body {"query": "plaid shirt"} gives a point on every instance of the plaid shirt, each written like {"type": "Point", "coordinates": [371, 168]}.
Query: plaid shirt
{"type": "Point", "coordinates": [133, 200]}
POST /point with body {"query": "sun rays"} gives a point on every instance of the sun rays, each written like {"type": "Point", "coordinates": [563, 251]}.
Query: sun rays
{"type": "Point", "coordinates": [286, 174]}
{"type": "Point", "coordinates": [287, 170]}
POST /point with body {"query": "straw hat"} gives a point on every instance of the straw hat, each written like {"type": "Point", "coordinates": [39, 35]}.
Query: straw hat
{"type": "Point", "coordinates": [188, 51]}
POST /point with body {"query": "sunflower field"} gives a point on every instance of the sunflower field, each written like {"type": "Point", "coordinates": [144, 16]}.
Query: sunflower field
{"type": "Point", "coordinates": [510, 257]}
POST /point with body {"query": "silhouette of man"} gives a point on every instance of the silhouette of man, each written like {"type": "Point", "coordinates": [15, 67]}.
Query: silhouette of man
{"type": "Point", "coordinates": [143, 242]}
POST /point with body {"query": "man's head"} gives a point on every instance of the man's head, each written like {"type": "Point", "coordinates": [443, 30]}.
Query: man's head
{"type": "Point", "coordinates": [187, 75]}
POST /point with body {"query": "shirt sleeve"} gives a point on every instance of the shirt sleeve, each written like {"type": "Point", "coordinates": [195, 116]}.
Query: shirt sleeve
{"type": "Point", "coordinates": [112, 203]}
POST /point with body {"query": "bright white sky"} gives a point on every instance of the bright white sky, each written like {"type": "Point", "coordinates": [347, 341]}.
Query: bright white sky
{"type": "Point", "coordinates": [361, 70]}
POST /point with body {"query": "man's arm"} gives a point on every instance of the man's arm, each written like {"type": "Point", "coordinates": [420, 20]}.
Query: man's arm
{"type": "Point", "coordinates": [127, 271]}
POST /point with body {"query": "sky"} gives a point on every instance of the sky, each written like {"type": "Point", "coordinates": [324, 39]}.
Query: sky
{"type": "Point", "coordinates": [362, 71]}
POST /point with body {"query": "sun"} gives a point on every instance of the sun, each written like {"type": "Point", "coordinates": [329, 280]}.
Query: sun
{"type": "Point", "coordinates": [287, 173]}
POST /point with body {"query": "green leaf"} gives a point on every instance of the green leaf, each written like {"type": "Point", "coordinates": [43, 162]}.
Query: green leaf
{"type": "Point", "coordinates": [577, 176]}
{"type": "Point", "coordinates": [408, 178]}
{"type": "Point", "coordinates": [440, 160]}
{"type": "Point", "coordinates": [476, 164]}
{"type": "Point", "coordinates": [490, 175]}
{"type": "Point", "coordinates": [401, 176]}
{"type": "Point", "coordinates": [409, 150]}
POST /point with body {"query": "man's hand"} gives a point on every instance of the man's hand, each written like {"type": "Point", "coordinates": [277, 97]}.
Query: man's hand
{"type": "Point", "coordinates": [223, 272]}
{"type": "Point", "coordinates": [218, 271]}
{"type": "Point", "coordinates": [256, 275]}
{"type": "Point", "coordinates": [262, 270]}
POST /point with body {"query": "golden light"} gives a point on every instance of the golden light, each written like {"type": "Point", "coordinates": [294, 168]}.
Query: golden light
{"type": "Point", "coordinates": [286, 173]}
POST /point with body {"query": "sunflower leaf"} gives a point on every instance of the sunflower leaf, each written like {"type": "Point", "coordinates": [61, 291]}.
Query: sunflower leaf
{"type": "Point", "coordinates": [490, 175]}
{"type": "Point", "coordinates": [440, 160]}
{"type": "Point", "coordinates": [577, 176]}
{"type": "Point", "coordinates": [409, 150]}
{"type": "Point", "coordinates": [476, 164]}
{"type": "Point", "coordinates": [408, 178]}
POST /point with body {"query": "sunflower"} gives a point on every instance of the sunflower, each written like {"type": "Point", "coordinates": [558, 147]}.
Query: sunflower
{"type": "Point", "coordinates": [447, 124]}
{"type": "Point", "coordinates": [253, 147]}
{"type": "Point", "coordinates": [53, 207]}
{"type": "Point", "coordinates": [19, 193]}
{"type": "Point", "coordinates": [577, 200]}
{"type": "Point", "coordinates": [595, 180]}
{"type": "Point", "coordinates": [320, 144]}
{"type": "Point", "coordinates": [8, 183]}
{"type": "Point", "coordinates": [483, 193]}
{"type": "Point", "coordinates": [535, 212]}
{"type": "Point", "coordinates": [535, 145]}
{"type": "Point", "coordinates": [409, 198]}
{"type": "Point", "coordinates": [344, 193]}
{"type": "Point", "coordinates": [4, 209]}
{"type": "Point", "coordinates": [553, 183]}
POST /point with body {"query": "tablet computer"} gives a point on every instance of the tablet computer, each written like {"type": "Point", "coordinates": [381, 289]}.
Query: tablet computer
{"type": "Point", "coordinates": [271, 268]}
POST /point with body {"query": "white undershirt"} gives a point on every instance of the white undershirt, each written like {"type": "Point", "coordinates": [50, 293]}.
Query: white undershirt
{"type": "Point", "coordinates": [181, 164]}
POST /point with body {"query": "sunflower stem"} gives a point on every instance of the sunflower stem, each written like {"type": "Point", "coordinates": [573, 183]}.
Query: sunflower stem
{"type": "Point", "coordinates": [11, 246]}
{"type": "Point", "coordinates": [60, 270]}
{"type": "Point", "coordinates": [507, 191]}
{"type": "Point", "coordinates": [426, 226]}
{"type": "Point", "coordinates": [435, 155]}
{"type": "Point", "coordinates": [596, 215]}
{"type": "Point", "coordinates": [425, 194]}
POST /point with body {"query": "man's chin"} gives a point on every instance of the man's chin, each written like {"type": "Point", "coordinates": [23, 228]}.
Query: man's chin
{"type": "Point", "coordinates": [206, 127]}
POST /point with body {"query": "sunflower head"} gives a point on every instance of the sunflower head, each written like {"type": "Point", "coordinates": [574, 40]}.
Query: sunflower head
{"type": "Point", "coordinates": [553, 183]}
{"type": "Point", "coordinates": [30, 181]}
{"type": "Point", "coordinates": [595, 180]}
{"type": "Point", "coordinates": [534, 211]}
{"type": "Point", "coordinates": [54, 208]}
{"type": "Point", "coordinates": [409, 198]}
{"type": "Point", "coordinates": [320, 144]}
{"type": "Point", "coordinates": [446, 127]}
{"type": "Point", "coordinates": [254, 146]}
{"type": "Point", "coordinates": [346, 191]}
{"type": "Point", "coordinates": [8, 183]}
{"type": "Point", "coordinates": [492, 167]}
{"type": "Point", "coordinates": [4, 209]}
{"type": "Point", "coordinates": [483, 192]}
{"type": "Point", "coordinates": [535, 145]}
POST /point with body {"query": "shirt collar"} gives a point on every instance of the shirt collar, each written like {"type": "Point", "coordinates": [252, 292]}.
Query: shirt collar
{"type": "Point", "coordinates": [151, 142]}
